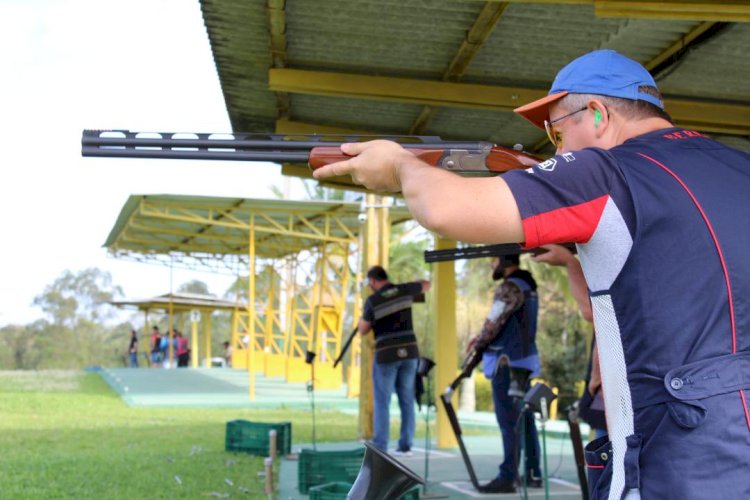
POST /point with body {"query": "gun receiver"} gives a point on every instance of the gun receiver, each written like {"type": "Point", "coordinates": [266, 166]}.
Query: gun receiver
{"type": "Point", "coordinates": [469, 158]}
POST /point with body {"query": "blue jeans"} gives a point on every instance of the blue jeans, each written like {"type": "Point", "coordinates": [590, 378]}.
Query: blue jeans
{"type": "Point", "coordinates": [133, 360]}
{"type": "Point", "coordinates": [401, 376]}
{"type": "Point", "coordinates": [507, 412]}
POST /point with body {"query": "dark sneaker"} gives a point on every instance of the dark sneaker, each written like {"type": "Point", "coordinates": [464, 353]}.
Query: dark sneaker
{"type": "Point", "coordinates": [499, 485]}
{"type": "Point", "coordinates": [533, 482]}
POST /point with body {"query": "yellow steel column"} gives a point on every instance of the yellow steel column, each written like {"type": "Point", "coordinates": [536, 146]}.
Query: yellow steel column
{"type": "Point", "coordinates": [250, 348]}
{"type": "Point", "coordinates": [291, 328]}
{"type": "Point", "coordinates": [268, 340]}
{"type": "Point", "coordinates": [236, 340]}
{"type": "Point", "coordinates": [170, 348]}
{"type": "Point", "coordinates": [354, 370]}
{"type": "Point", "coordinates": [376, 253]}
{"type": "Point", "coordinates": [330, 321]}
{"type": "Point", "coordinates": [446, 344]}
{"type": "Point", "coordinates": [194, 318]}
{"type": "Point", "coordinates": [145, 339]}
{"type": "Point", "coordinates": [206, 318]}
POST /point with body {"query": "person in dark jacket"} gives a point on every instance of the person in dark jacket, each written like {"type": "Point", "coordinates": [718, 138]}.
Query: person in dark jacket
{"type": "Point", "coordinates": [510, 359]}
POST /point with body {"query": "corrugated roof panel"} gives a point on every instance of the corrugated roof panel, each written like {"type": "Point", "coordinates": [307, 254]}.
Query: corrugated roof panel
{"type": "Point", "coordinates": [375, 116]}
{"type": "Point", "coordinates": [505, 129]}
{"type": "Point", "coordinates": [532, 42]}
{"type": "Point", "coordinates": [718, 68]}
{"type": "Point", "coordinates": [382, 37]}
{"type": "Point", "coordinates": [240, 41]}
{"type": "Point", "coordinates": [643, 39]}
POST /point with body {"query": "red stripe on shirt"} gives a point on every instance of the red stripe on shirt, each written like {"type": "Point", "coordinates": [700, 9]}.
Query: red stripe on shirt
{"type": "Point", "coordinates": [574, 224]}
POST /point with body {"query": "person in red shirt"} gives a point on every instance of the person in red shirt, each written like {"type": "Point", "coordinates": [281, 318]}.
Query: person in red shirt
{"type": "Point", "coordinates": [183, 351]}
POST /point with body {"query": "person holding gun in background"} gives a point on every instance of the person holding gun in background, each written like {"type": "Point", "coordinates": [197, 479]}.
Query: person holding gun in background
{"type": "Point", "coordinates": [388, 313]}
{"type": "Point", "coordinates": [509, 359]}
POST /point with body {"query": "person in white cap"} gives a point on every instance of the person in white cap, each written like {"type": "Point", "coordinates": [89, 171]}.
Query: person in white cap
{"type": "Point", "coordinates": [660, 217]}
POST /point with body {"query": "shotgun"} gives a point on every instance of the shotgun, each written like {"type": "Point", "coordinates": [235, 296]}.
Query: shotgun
{"type": "Point", "coordinates": [345, 347]}
{"type": "Point", "coordinates": [467, 158]}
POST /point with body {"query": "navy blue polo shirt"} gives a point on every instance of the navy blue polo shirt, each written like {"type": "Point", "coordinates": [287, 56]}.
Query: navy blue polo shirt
{"type": "Point", "coordinates": [662, 225]}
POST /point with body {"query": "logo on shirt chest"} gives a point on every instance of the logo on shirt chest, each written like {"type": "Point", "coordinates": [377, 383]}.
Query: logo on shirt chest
{"type": "Point", "coordinates": [548, 165]}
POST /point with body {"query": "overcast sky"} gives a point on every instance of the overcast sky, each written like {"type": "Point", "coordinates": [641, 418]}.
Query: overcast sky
{"type": "Point", "coordinates": [142, 65]}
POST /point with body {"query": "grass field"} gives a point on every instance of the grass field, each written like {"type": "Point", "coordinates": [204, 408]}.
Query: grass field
{"type": "Point", "coordinates": [65, 434]}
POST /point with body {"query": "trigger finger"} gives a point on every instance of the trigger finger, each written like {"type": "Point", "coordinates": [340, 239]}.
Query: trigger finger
{"type": "Point", "coordinates": [334, 169]}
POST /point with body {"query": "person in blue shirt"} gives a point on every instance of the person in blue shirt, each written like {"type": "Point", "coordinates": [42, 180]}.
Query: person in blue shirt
{"type": "Point", "coordinates": [659, 214]}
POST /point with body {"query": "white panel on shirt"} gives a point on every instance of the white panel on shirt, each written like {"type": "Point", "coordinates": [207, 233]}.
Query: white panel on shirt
{"type": "Point", "coordinates": [602, 260]}
{"type": "Point", "coordinates": [603, 257]}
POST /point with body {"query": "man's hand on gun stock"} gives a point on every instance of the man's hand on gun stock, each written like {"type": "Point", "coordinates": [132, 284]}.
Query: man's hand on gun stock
{"type": "Point", "coordinates": [555, 255]}
{"type": "Point", "coordinates": [374, 164]}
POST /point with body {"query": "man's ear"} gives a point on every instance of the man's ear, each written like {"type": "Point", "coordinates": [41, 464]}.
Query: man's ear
{"type": "Point", "coordinates": [601, 116]}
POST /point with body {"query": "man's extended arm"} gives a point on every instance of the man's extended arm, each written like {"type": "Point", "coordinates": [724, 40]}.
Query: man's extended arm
{"type": "Point", "coordinates": [558, 255]}
{"type": "Point", "coordinates": [474, 210]}
{"type": "Point", "coordinates": [364, 327]}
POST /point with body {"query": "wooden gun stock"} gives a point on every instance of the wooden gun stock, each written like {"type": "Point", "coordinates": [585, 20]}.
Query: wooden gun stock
{"type": "Point", "coordinates": [484, 160]}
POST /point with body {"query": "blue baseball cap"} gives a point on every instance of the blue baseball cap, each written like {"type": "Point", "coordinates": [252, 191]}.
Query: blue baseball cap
{"type": "Point", "coordinates": [601, 72]}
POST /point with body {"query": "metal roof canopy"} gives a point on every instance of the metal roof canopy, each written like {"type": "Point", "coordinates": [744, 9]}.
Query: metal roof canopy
{"type": "Point", "coordinates": [457, 69]}
{"type": "Point", "coordinates": [205, 230]}
{"type": "Point", "coordinates": [179, 302]}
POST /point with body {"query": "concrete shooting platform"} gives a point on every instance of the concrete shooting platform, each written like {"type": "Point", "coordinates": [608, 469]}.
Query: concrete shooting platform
{"type": "Point", "coordinates": [445, 470]}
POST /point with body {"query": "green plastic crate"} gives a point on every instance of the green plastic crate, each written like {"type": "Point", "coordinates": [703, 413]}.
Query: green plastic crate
{"type": "Point", "coordinates": [252, 437]}
{"type": "Point", "coordinates": [320, 467]}
{"type": "Point", "coordinates": [330, 491]}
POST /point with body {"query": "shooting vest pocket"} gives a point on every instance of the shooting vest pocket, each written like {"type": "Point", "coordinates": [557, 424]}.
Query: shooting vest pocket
{"type": "Point", "coordinates": [396, 347]}
{"type": "Point", "coordinates": [683, 387]}
{"type": "Point", "coordinates": [598, 455]}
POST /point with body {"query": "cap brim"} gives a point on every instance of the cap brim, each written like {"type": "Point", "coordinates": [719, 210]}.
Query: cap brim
{"type": "Point", "coordinates": [538, 111]}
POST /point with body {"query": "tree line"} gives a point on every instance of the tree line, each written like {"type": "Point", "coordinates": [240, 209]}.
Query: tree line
{"type": "Point", "coordinates": [80, 327]}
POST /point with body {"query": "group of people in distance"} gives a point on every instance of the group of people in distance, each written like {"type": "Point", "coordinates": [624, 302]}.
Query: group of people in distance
{"type": "Point", "coordinates": [159, 349]}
